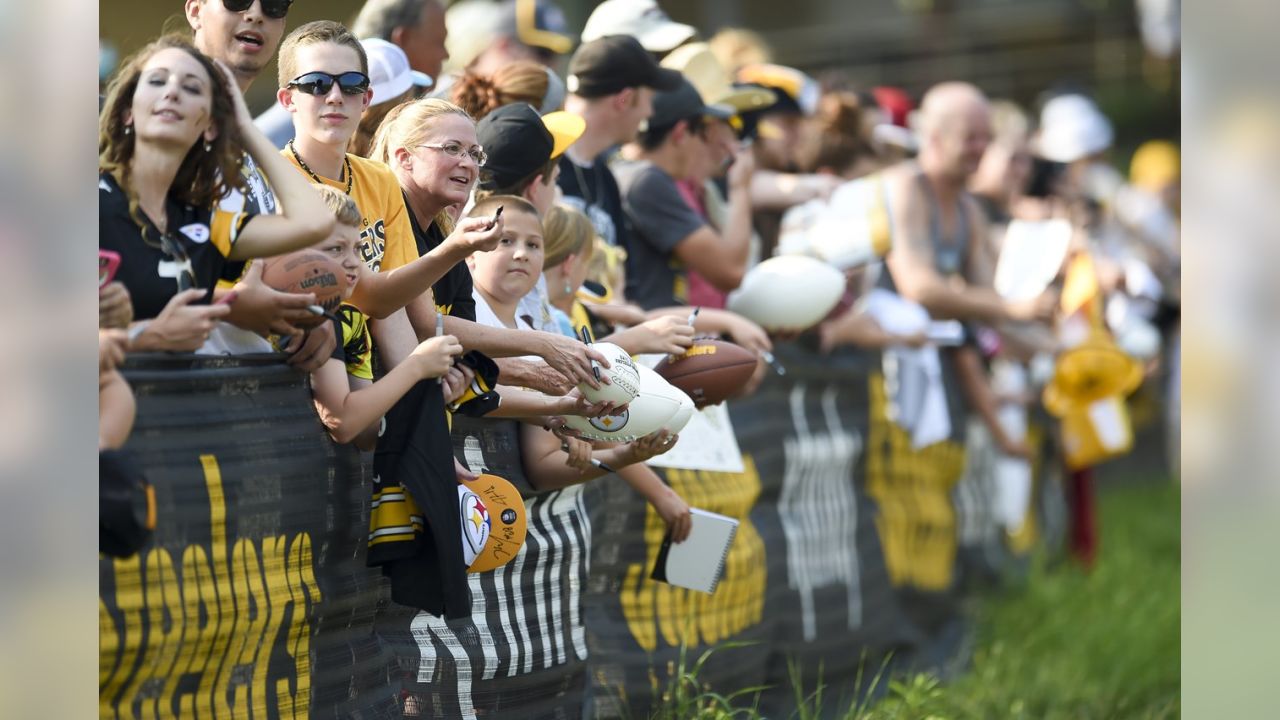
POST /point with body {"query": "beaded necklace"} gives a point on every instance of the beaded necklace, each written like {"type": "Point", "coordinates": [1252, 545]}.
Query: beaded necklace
{"type": "Point", "coordinates": [303, 164]}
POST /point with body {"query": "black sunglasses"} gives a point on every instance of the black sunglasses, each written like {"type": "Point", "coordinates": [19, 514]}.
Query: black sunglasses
{"type": "Point", "coordinates": [320, 83]}
{"type": "Point", "coordinates": [274, 9]}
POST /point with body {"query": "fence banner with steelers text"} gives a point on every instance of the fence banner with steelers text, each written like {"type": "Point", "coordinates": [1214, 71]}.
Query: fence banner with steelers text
{"type": "Point", "coordinates": [253, 600]}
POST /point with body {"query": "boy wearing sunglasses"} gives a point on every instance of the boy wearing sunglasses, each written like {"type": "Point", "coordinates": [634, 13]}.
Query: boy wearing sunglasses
{"type": "Point", "coordinates": [325, 86]}
{"type": "Point", "coordinates": [244, 35]}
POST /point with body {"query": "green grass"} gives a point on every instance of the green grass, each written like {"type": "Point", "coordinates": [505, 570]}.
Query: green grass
{"type": "Point", "coordinates": [1067, 644]}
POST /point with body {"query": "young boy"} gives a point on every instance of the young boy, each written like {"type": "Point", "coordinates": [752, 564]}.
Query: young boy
{"type": "Point", "coordinates": [502, 277]}
{"type": "Point", "coordinates": [324, 84]}
{"type": "Point", "coordinates": [349, 401]}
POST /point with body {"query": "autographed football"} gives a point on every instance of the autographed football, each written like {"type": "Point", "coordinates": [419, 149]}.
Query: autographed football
{"type": "Point", "coordinates": [623, 378]}
{"type": "Point", "coordinates": [307, 271]}
{"type": "Point", "coordinates": [657, 402]}
{"type": "Point", "coordinates": [709, 371]}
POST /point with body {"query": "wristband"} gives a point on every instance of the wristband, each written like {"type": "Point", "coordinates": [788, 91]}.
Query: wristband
{"type": "Point", "coordinates": [137, 329]}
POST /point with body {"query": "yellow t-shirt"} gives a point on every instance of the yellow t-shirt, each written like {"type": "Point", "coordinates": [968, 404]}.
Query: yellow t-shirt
{"type": "Point", "coordinates": [385, 235]}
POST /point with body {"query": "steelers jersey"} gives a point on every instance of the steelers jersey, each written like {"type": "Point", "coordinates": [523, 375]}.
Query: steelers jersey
{"type": "Point", "coordinates": [356, 344]}
{"type": "Point", "coordinates": [453, 290]}
{"type": "Point", "coordinates": [385, 234]}
{"type": "Point", "coordinates": [199, 240]}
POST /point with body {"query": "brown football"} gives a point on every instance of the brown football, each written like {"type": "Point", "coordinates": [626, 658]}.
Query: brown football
{"type": "Point", "coordinates": [709, 371]}
{"type": "Point", "coordinates": [307, 271]}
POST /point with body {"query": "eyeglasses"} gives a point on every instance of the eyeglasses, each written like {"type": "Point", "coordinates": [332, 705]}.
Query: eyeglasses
{"type": "Point", "coordinates": [320, 83]}
{"type": "Point", "coordinates": [456, 150]}
{"type": "Point", "coordinates": [274, 9]}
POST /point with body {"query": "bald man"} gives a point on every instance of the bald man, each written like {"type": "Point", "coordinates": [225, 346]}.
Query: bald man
{"type": "Point", "coordinates": [940, 257]}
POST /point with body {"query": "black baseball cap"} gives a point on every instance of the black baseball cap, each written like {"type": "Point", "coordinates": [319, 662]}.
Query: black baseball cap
{"type": "Point", "coordinates": [682, 103]}
{"type": "Point", "coordinates": [613, 63]}
{"type": "Point", "coordinates": [519, 142]}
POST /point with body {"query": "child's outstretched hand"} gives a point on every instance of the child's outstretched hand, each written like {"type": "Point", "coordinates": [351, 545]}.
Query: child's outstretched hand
{"type": "Point", "coordinates": [674, 511]}
{"type": "Point", "coordinates": [651, 445]}
{"type": "Point", "coordinates": [434, 357]}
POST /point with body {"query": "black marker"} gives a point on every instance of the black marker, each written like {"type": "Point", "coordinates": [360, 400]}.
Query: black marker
{"type": "Point", "coordinates": [594, 462]}
{"type": "Point", "coordinates": [586, 340]}
{"type": "Point", "coordinates": [496, 215]}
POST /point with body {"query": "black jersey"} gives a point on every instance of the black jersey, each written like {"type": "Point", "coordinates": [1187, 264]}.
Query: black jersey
{"type": "Point", "coordinates": [453, 291]}
{"type": "Point", "coordinates": [193, 254]}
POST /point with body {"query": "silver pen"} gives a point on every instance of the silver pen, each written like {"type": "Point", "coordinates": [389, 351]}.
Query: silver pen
{"type": "Point", "coordinates": [439, 332]}
{"type": "Point", "coordinates": [773, 362]}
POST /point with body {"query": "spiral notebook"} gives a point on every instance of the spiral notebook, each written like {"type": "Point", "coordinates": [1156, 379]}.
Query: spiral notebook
{"type": "Point", "coordinates": [698, 562]}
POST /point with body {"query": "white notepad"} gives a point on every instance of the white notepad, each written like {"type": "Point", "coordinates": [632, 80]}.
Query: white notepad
{"type": "Point", "coordinates": [698, 562]}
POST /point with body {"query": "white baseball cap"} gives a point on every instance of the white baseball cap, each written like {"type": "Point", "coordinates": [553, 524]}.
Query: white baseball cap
{"type": "Point", "coordinates": [389, 73]}
{"type": "Point", "coordinates": [1072, 128]}
{"type": "Point", "coordinates": [642, 19]}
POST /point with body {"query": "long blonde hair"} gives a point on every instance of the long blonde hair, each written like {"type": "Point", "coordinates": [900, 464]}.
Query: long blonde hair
{"type": "Point", "coordinates": [565, 232]}
{"type": "Point", "coordinates": [406, 126]}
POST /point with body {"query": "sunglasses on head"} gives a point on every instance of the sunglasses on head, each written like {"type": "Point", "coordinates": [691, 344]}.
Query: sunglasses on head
{"type": "Point", "coordinates": [186, 275]}
{"type": "Point", "coordinates": [274, 9]}
{"type": "Point", "coordinates": [320, 83]}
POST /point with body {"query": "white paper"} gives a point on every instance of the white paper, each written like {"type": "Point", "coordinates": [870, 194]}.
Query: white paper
{"type": "Point", "coordinates": [1013, 491]}
{"type": "Point", "coordinates": [1107, 417]}
{"type": "Point", "coordinates": [697, 562]}
{"type": "Point", "coordinates": [837, 230]}
{"type": "Point", "coordinates": [920, 398]}
{"type": "Point", "coordinates": [706, 443]}
{"type": "Point", "coordinates": [1030, 257]}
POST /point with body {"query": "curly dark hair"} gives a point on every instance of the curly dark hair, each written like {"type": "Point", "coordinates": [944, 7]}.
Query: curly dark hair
{"type": "Point", "coordinates": [204, 177]}
{"type": "Point", "coordinates": [523, 81]}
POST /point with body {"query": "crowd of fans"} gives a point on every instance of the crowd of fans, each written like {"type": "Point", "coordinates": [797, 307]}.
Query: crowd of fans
{"type": "Point", "coordinates": [652, 176]}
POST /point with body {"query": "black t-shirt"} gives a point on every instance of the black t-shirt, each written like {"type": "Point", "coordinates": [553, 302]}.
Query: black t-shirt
{"type": "Point", "coordinates": [152, 275]}
{"type": "Point", "coordinates": [453, 291]}
{"type": "Point", "coordinates": [594, 191]}
{"type": "Point", "coordinates": [660, 220]}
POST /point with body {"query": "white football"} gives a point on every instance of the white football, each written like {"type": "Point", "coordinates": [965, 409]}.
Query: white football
{"type": "Point", "coordinates": [657, 402]}
{"type": "Point", "coordinates": [790, 292]}
{"type": "Point", "coordinates": [621, 373]}
{"type": "Point", "coordinates": [682, 416]}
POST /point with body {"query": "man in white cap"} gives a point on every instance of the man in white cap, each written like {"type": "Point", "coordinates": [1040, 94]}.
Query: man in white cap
{"type": "Point", "coordinates": [641, 19]}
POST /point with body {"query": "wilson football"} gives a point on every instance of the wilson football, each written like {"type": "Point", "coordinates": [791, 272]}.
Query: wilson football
{"type": "Point", "coordinates": [710, 371]}
{"type": "Point", "coordinates": [307, 271]}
